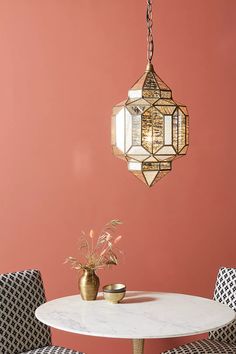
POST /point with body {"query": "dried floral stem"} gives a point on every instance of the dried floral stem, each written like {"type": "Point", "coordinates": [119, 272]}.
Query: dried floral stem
{"type": "Point", "coordinates": [103, 253]}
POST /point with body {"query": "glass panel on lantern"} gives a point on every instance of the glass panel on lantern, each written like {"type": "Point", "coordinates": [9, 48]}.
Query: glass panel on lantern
{"type": "Point", "coordinates": [168, 130]}
{"type": "Point", "coordinates": [151, 94]}
{"type": "Point", "coordinates": [120, 125]}
{"type": "Point", "coordinates": [164, 102]}
{"type": "Point", "coordinates": [158, 130]}
{"type": "Point", "coordinates": [175, 129]}
{"type": "Point", "coordinates": [183, 109]}
{"type": "Point", "coordinates": [151, 101]}
{"type": "Point", "coordinates": [163, 86]}
{"type": "Point", "coordinates": [181, 130]}
{"type": "Point", "coordinates": [134, 166]}
{"type": "Point", "coordinates": [137, 157]}
{"type": "Point", "coordinates": [161, 83]}
{"type": "Point", "coordinates": [147, 138]}
{"type": "Point", "coordinates": [165, 157]}
{"type": "Point", "coordinates": [150, 82]}
{"type": "Point", "coordinates": [139, 83]}
{"type": "Point", "coordinates": [128, 130]}
{"type": "Point", "coordinates": [166, 94]}
{"type": "Point", "coordinates": [142, 101]}
{"type": "Point", "coordinates": [137, 109]}
{"type": "Point", "coordinates": [170, 102]}
{"type": "Point", "coordinates": [184, 150]}
{"type": "Point", "coordinates": [166, 150]}
{"type": "Point", "coordinates": [136, 130]}
{"type": "Point", "coordinates": [151, 166]}
{"type": "Point", "coordinates": [138, 150]}
{"type": "Point", "coordinates": [187, 130]}
{"type": "Point", "coordinates": [131, 101]}
{"type": "Point", "coordinates": [151, 159]}
{"type": "Point", "coordinates": [135, 93]}
{"type": "Point", "coordinates": [150, 176]}
{"type": "Point", "coordinates": [168, 110]}
{"type": "Point", "coordinates": [165, 165]}
{"type": "Point", "coordinates": [138, 106]}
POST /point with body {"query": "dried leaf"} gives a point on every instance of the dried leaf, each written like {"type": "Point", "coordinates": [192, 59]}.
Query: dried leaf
{"type": "Point", "coordinates": [117, 239]}
{"type": "Point", "coordinates": [108, 237]}
{"type": "Point", "coordinates": [97, 252]}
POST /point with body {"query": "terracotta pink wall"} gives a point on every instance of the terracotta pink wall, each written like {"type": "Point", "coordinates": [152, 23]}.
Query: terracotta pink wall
{"type": "Point", "coordinates": [63, 65]}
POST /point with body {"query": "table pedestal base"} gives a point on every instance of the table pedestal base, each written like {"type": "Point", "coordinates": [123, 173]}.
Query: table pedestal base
{"type": "Point", "coordinates": [138, 346]}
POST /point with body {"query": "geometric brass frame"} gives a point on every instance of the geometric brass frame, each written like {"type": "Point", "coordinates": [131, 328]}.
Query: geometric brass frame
{"type": "Point", "coordinates": [150, 129]}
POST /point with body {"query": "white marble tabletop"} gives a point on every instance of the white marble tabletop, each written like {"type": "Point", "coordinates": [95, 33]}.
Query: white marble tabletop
{"type": "Point", "coordinates": [140, 315]}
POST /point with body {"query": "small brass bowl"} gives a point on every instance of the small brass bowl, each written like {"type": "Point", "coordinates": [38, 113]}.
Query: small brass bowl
{"type": "Point", "coordinates": [114, 293]}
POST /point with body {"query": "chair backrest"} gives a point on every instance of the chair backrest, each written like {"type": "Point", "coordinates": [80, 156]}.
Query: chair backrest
{"type": "Point", "coordinates": [225, 292]}
{"type": "Point", "coordinates": [20, 294]}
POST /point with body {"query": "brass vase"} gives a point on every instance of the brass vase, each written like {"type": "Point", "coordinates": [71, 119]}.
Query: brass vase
{"type": "Point", "coordinates": [89, 285]}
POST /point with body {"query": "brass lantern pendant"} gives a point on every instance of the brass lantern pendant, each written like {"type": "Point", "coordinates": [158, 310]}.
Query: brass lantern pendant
{"type": "Point", "coordinates": [149, 129]}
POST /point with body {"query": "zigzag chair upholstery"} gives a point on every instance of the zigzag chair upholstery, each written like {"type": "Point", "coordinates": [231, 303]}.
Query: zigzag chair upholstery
{"type": "Point", "coordinates": [223, 340]}
{"type": "Point", "coordinates": [20, 332]}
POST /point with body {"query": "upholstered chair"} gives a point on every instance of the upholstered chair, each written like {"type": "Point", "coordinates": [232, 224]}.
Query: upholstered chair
{"type": "Point", "coordinates": [20, 332]}
{"type": "Point", "coordinates": [222, 340]}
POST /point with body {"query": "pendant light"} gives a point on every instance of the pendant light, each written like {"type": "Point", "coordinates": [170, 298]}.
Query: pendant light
{"type": "Point", "coordinates": [149, 129]}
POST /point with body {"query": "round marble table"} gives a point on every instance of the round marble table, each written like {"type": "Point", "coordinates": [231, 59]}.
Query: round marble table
{"type": "Point", "coordinates": [141, 315]}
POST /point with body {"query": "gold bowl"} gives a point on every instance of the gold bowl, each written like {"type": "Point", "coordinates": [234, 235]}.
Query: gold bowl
{"type": "Point", "coordinates": [114, 293]}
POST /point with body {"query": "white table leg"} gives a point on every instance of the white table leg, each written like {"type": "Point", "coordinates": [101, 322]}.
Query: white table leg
{"type": "Point", "coordinates": [138, 346]}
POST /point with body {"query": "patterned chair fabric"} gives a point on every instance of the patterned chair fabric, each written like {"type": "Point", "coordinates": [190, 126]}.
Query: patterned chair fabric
{"type": "Point", "coordinates": [205, 346]}
{"type": "Point", "coordinates": [20, 294]}
{"type": "Point", "coordinates": [52, 350]}
{"type": "Point", "coordinates": [223, 340]}
{"type": "Point", "coordinates": [225, 292]}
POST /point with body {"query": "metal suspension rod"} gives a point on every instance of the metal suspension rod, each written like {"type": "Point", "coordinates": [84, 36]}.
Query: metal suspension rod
{"type": "Point", "coordinates": [150, 44]}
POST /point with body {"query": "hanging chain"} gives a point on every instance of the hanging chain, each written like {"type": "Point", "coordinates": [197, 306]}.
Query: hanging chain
{"type": "Point", "coordinates": [150, 44]}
